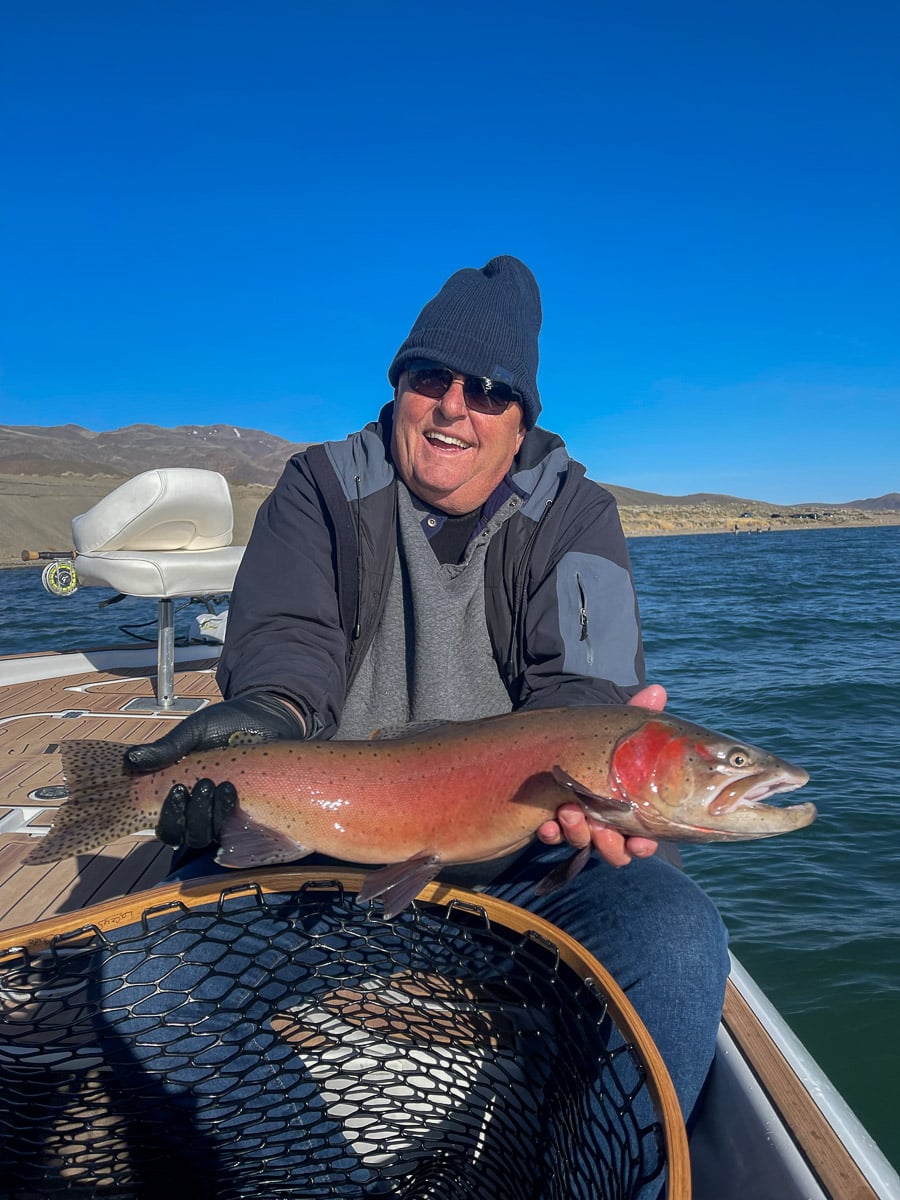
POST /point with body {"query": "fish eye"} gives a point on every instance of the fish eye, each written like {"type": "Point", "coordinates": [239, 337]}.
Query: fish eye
{"type": "Point", "coordinates": [738, 758]}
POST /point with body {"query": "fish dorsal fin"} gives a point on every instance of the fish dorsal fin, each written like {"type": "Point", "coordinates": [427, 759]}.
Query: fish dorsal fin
{"type": "Point", "coordinates": [245, 737]}
{"type": "Point", "coordinates": [597, 803]}
{"type": "Point", "coordinates": [391, 732]}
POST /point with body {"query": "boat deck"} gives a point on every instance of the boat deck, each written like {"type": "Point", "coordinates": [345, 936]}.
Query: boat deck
{"type": "Point", "coordinates": [36, 715]}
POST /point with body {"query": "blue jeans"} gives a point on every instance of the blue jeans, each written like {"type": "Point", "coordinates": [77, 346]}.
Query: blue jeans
{"type": "Point", "coordinates": [659, 936]}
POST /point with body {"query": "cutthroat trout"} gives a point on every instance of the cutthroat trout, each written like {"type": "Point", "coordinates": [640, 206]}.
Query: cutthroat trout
{"type": "Point", "coordinates": [463, 792]}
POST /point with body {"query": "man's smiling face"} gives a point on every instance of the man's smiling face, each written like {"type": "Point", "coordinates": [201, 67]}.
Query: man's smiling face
{"type": "Point", "coordinates": [448, 455]}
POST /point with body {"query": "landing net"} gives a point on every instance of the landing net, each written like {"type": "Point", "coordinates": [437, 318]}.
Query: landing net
{"type": "Point", "coordinates": [276, 1039]}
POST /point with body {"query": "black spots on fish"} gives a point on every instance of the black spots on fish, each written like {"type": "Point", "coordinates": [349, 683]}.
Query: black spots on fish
{"type": "Point", "coordinates": [94, 769]}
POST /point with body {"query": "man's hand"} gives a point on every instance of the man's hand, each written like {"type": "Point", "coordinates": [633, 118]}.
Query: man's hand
{"type": "Point", "coordinates": [266, 716]}
{"type": "Point", "coordinates": [572, 826]}
{"type": "Point", "coordinates": [194, 817]}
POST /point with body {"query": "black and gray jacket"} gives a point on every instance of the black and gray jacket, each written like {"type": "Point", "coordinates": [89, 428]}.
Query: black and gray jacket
{"type": "Point", "coordinates": [559, 597]}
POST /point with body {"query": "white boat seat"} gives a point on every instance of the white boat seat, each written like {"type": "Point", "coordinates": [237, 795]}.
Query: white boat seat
{"type": "Point", "coordinates": [164, 534]}
{"type": "Point", "coordinates": [157, 574]}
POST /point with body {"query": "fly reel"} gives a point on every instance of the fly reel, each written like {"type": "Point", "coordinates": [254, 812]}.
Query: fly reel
{"type": "Point", "coordinates": [59, 577]}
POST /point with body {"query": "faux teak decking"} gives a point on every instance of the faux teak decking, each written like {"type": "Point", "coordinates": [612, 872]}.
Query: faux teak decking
{"type": "Point", "coordinates": [35, 717]}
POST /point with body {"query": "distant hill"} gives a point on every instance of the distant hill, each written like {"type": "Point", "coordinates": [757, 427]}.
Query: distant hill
{"type": "Point", "coordinates": [241, 455]}
{"type": "Point", "coordinates": [890, 501]}
{"type": "Point", "coordinates": [245, 456]}
{"type": "Point", "coordinates": [626, 495]}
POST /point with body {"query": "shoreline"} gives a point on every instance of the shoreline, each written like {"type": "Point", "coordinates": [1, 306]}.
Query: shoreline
{"type": "Point", "coordinates": [634, 527]}
{"type": "Point", "coordinates": [36, 513]}
{"type": "Point", "coordinates": [673, 521]}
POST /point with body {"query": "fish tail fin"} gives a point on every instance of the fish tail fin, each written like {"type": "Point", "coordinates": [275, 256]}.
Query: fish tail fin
{"type": "Point", "coordinates": [101, 806]}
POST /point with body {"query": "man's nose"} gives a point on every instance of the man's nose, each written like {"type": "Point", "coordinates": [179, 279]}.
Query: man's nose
{"type": "Point", "coordinates": [453, 403]}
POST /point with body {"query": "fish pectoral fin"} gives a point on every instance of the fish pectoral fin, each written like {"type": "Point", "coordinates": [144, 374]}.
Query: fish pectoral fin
{"type": "Point", "coordinates": [398, 884]}
{"type": "Point", "coordinates": [564, 872]}
{"type": "Point", "coordinates": [248, 843]}
{"type": "Point", "coordinates": [598, 804]}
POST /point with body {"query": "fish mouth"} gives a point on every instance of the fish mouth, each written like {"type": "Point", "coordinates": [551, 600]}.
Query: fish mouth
{"type": "Point", "coordinates": [742, 803]}
{"type": "Point", "coordinates": [754, 790]}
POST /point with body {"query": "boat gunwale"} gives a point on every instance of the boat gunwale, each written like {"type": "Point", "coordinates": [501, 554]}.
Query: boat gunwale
{"type": "Point", "coordinates": [838, 1148]}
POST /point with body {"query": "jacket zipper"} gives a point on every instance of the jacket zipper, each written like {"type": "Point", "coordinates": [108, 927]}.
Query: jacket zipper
{"type": "Point", "coordinates": [518, 613]}
{"type": "Point", "coordinates": [584, 635]}
{"type": "Point", "coordinates": [357, 628]}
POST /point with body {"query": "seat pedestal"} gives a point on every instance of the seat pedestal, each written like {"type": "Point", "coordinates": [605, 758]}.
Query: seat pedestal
{"type": "Point", "coordinates": [166, 700]}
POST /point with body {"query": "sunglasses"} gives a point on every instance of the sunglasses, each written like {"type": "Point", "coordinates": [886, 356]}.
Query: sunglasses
{"type": "Point", "coordinates": [483, 395]}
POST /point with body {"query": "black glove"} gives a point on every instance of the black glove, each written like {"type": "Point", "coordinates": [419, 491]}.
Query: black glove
{"type": "Point", "coordinates": [258, 713]}
{"type": "Point", "coordinates": [194, 817]}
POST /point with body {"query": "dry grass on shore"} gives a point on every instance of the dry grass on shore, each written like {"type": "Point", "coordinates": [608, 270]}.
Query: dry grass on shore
{"type": "Point", "coordinates": [660, 520]}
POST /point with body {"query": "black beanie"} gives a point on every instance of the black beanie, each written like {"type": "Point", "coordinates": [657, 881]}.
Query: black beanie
{"type": "Point", "coordinates": [483, 323]}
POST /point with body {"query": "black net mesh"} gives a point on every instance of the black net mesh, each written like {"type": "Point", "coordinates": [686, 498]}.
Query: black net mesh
{"type": "Point", "coordinates": [298, 1045]}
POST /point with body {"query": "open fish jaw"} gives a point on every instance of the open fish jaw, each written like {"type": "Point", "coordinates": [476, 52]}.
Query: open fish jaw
{"type": "Point", "coordinates": [754, 789]}
{"type": "Point", "coordinates": [751, 791]}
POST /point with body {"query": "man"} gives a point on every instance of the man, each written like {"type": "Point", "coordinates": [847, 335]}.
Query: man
{"type": "Point", "coordinates": [450, 561]}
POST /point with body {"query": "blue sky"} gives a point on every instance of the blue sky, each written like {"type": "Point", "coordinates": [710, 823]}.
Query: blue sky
{"type": "Point", "coordinates": [232, 212]}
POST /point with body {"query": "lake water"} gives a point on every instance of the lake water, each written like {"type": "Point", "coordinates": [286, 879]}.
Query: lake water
{"type": "Point", "coordinates": [790, 640]}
